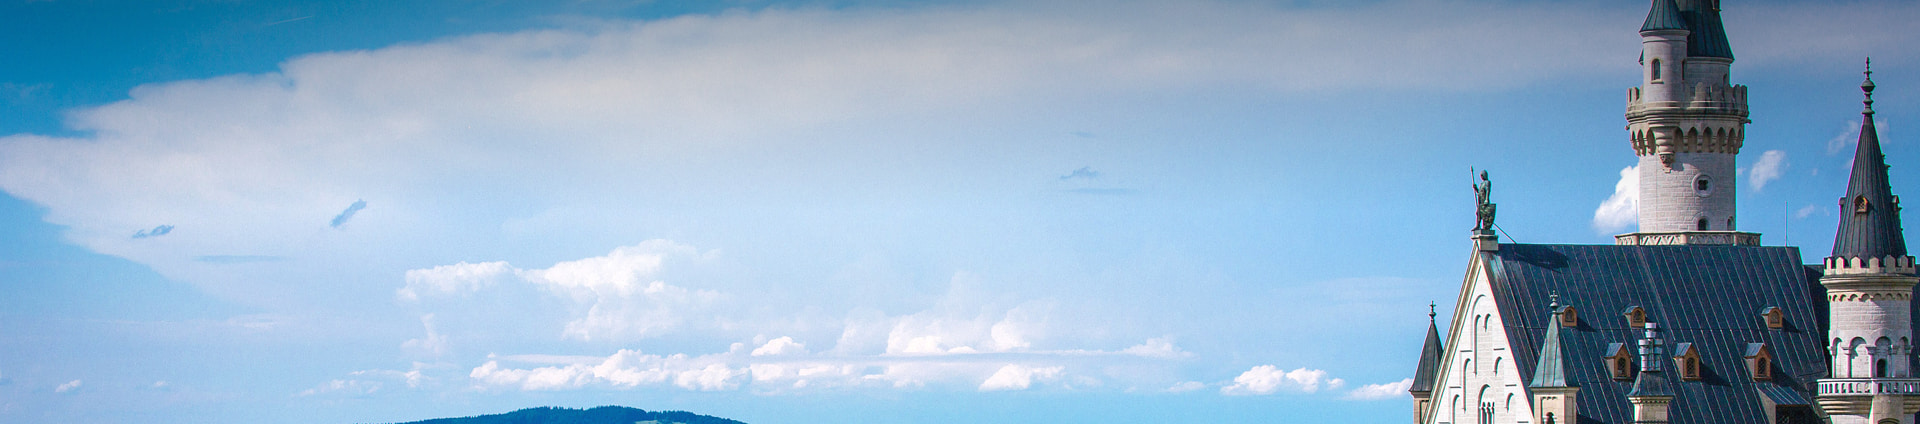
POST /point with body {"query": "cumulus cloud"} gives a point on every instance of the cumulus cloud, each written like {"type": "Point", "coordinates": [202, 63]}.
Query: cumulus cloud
{"type": "Point", "coordinates": [1621, 210]}
{"type": "Point", "coordinates": [1268, 379]}
{"type": "Point", "coordinates": [155, 232]}
{"type": "Point", "coordinates": [341, 219]}
{"type": "Point", "coordinates": [451, 279]}
{"type": "Point", "coordinates": [780, 346]}
{"type": "Point", "coordinates": [1018, 377]}
{"type": "Point", "coordinates": [1186, 386]}
{"type": "Point", "coordinates": [1770, 166]}
{"type": "Point", "coordinates": [618, 293]}
{"type": "Point", "coordinates": [1381, 391]}
{"type": "Point", "coordinates": [434, 344]}
{"type": "Point", "coordinates": [67, 387]}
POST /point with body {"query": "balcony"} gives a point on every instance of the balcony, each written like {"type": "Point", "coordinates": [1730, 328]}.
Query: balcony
{"type": "Point", "coordinates": [1869, 386]}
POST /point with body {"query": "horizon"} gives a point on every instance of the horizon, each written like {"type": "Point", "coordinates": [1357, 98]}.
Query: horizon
{"type": "Point", "coordinates": [765, 211]}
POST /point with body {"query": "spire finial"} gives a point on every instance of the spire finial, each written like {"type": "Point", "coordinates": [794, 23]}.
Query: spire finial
{"type": "Point", "coordinates": [1868, 88]}
{"type": "Point", "coordinates": [1553, 301]}
{"type": "Point", "coordinates": [1432, 311]}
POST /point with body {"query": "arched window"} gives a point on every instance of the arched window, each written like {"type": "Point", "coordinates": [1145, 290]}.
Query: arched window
{"type": "Point", "coordinates": [1656, 69]}
{"type": "Point", "coordinates": [1549, 418]}
{"type": "Point", "coordinates": [1861, 205]}
{"type": "Point", "coordinates": [1880, 368]}
{"type": "Point", "coordinates": [1702, 225]}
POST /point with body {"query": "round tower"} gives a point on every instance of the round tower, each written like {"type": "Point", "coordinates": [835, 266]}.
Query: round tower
{"type": "Point", "coordinates": [1869, 281]}
{"type": "Point", "coordinates": [1686, 121]}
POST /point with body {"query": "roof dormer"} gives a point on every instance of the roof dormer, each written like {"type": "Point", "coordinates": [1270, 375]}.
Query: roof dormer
{"type": "Point", "coordinates": [1759, 361]}
{"type": "Point", "coordinates": [1774, 318]}
{"type": "Point", "coordinates": [1686, 360]}
{"type": "Point", "coordinates": [1636, 317]}
{"type": "Point", "coordinates": [1619, 361]}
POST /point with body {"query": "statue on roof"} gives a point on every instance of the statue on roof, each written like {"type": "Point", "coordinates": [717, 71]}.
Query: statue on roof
{"type": "Point", "coordinates": [1484, 207]}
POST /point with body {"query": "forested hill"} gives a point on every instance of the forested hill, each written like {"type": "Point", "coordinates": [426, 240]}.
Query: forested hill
{"type": "Point", "coordinates": [600, 415]}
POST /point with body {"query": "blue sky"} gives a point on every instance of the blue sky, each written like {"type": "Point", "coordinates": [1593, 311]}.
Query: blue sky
{"type": "Point", "coordinates": [255, 211]}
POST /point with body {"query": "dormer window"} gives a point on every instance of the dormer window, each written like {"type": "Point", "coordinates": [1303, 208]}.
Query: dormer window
{"type": "Point", "coordinates": [1861, 205]}
{"type": "Point", "coordinates": [1636, 317]}
{"type": "Point", "coordinates": [1774, 318]}
{"type": "Point", "coordinates": [1568, 316]}
{"type": "Point", "coordinates": [1759, 361]}
{"type": "Point", "coordinates": [1687, 361]}
{"type": "Point", "coordinates": [1619, 361]}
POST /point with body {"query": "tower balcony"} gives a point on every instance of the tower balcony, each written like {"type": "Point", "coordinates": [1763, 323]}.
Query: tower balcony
{"type": "Point", "coordinates": [1704, 98]}
{"type": "Point", "coordinates": [1868, 386]}
{"type": "Point", "coordinates": [1688, 238]}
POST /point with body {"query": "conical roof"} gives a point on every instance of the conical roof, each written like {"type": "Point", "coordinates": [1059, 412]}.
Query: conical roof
{"type": "Point", "coordinates": [1869, 214]}
{"type": "Point", "coordinates": [1665, 15]}
{"type": "Point", "coordinates": [1709, 37]}
{"type": "Point", "coordinates": [1552, 370]}
{"type": "Point", "coordinates": [1429, 369]}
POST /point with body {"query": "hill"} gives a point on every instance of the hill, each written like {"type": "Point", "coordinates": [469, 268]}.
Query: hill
{"type": "Point", "coordinates": [600, 415]}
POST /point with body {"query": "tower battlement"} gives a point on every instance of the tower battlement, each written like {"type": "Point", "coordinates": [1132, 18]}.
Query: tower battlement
{"type": "Point", "coordinates": [1858, 266]}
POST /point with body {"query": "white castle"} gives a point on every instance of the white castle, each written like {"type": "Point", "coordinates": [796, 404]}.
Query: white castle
{"type": "Point", "coordinates": [1687, 321]}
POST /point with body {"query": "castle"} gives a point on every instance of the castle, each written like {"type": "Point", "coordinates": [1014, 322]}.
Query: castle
{"type": "Point", "coordinates": [1687, 321]}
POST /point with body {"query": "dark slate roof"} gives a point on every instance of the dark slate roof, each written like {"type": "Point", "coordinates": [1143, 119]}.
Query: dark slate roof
{"type": "Point", "coordinates": [1710, 296]}
{"type": "Point", "coordinates": [1651, 383]}
{"type": "Point", "coordinates": [1429, 368]}
{"type": "Point", "coordinates": [1664, 15]}
{"type": "Point", "coordinates": [1552, 370]}
{"type": "Point", "coordinates": [1877, 232]}
{"type": "Point", "coordinates": [1709, 37]}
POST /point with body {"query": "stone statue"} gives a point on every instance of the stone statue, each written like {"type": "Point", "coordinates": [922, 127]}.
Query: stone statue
{"type": "Point", "coordinates": [1483, 194]}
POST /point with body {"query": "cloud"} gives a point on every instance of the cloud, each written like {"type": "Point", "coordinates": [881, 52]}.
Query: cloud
{"type": "Point", "coordinates": [451, 279]}
{"type": "Point", "coordinates": [155, 232]}
{"type": "Point", "coordinates": [1850, 135]}
{"type": "Point", "coordinates": [1381, 391]}
{"type": "Point", "coordinates": [347, 387]}
{"type": "Point", "coordinates": [1186, 386]}
{"type": "Point", "coordinates": [781, 346]}
{"type": "Point", "coordinates": [1018, 377]}
{"type": "Point", "coordinates": [624, 369]}
{"type": "Point", "coordinates": [1268, 379]}
{"type": "Point", "coordinates": [1157, 348]}
{"type": "Point", "coordinates": [1770, 166]}
{"type": "Point", "coordinates": [434, 344]}
{"type": "Point", "coordinates": [1807, 210]}
{"type": "Point", "coordinates": [237, 259]}
{"type": "Point", "coordinates": [1085, 172]}
{"type": "Point", "coordinates": [67, 387]}
{"type": "Point", "coordinates": [617, 295]}
{"type": "Point", "coordinates": [341, 219]}
{"type": "Point", "coordinates": [1621, 210]}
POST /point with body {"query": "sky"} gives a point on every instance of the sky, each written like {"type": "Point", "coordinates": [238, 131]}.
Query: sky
{"type": "Point", "coordinates": [250, 211]}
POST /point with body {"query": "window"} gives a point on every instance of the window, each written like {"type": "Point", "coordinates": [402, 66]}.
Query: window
{"type": "Point", "coordinates": [1656, 70]}
{"type": "Point", "coordinates": [1687, 360]}
{"type": "Point", "coordinates": [1861, 205]}
{"type": "Point", "coordinates": [1549, 418]}
{"type": "Point", "coordinates": [1569, 317]}
{"type": "Point", "coordinates": [1619, 361]}
{"type": "Point", "coordinates": [1774, 318]}
{"type": "Point", "coordinates": [1880, 368]}
{"type": "Point", "coordinates": [1636, 317]}
{"type": "Point", "coordinates": [1702, 225]}
{"type": "Point", "coordinates": [1702, 186]}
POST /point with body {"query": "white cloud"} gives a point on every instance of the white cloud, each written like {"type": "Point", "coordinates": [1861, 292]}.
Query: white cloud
{"type": "Point", "coordinates": [450, 279]}
{"type": "Point", "coordinates": [780, 346]}
{"type": "Point", "coordinates": [1018, 377]}
{"type": "Point", "coordinates": [1157, 348]}
{"type": "Point", "coordinates": [1186, 386]}
{"type": "Point", "coordinates": [434, 344]}
{"type": "Point", "coordinates": [1268, 379]}
{"type": "Point", "coordinates": [1622, 209]}
{"type": "Point", "coordinates": [618, 293]}
{"type": "Point", "coordinates": [1807, 210]}
{"type": "Point", "coordinates": [1770, 166]}
{"type": "Point", "coordinates": [1850, 135]}
{"type": "Point", "coordinates": [67, 387]}
{"type": "Point", "coordinates": [1381, 391]}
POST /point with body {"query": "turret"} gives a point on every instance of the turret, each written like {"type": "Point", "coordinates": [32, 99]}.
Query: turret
{"type": "Point", "coordinates": [1686, 122]}
{"type": "Point", "coordinates": [1553, 395]}
{"type": "Point", "coordinates": [1870, 280]}
{"type": "Point", "coordinates": [1427, 372]}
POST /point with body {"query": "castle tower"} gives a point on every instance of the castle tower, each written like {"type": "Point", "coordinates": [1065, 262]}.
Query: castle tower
{"type": "Point", "coordinates": [1686, 121]}
{"type": "Point", "coordinates": [1427, 371]}
{"type": "Point", "coordinates": [1870, 280]}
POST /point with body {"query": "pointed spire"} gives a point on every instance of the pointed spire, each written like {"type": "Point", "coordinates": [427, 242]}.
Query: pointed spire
{"type": "Point", "coordinates": [1870, 213]}
{"type": "Point", "coordinates": [1664, 16]}
{"type": "Point", "coordinates": [1552, 369]}
{"type": "Point", "coordinates": [1709, 37]}
{"type": "Point", "coordinates": [1429, 369]}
